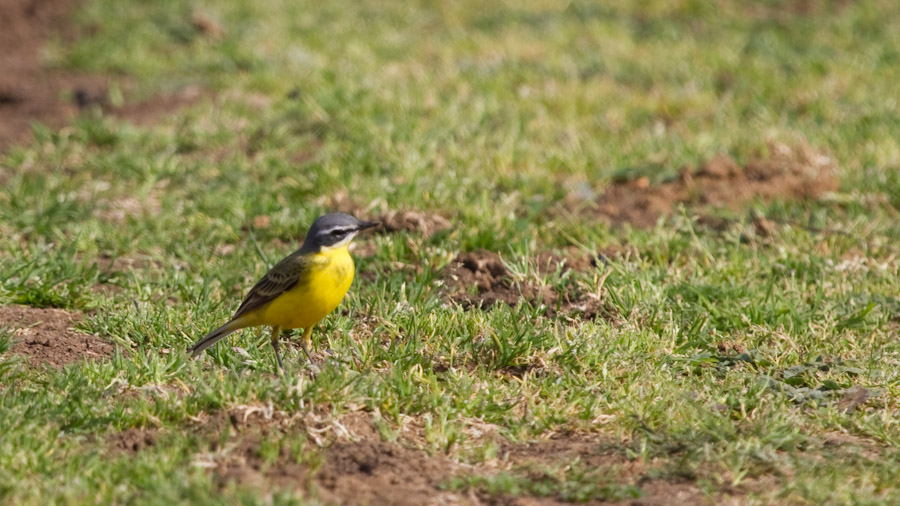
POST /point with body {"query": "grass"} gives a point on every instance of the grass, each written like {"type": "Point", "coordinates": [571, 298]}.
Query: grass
{"type": "Point", "coordinates": [491, 115]}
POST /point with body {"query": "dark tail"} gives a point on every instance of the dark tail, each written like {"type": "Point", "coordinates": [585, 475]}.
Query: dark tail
{"type": "Point", "coordinates": [214, 337]}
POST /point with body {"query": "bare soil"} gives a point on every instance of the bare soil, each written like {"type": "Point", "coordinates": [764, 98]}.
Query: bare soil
{"type": "Point", "coordinates": [48, 336]}
{"type": "Point", "coordinates": [785, 173]}
{"type": "Point", "coordinates": [412, 221]}
{"type": "Point", "coordinates": [134, 440]}
{"type": "Point", "coordinates": [32, 92]}
{"type": "Point", "coordinates": [377, 472]}
{"type": "Point", "coordinates": [481, 279]}
{"type": "Point", "coordinates": [486, 271]}
{"type": "Point", "coordinates": [360, 468]}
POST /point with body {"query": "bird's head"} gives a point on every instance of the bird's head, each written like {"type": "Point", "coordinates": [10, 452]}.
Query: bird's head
{"type": "Point", "coordinates": [333, 231]}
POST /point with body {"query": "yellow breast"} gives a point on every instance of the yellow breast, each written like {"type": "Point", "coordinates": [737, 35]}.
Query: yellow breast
{"type": "Point", "coordinates": [318, 293]}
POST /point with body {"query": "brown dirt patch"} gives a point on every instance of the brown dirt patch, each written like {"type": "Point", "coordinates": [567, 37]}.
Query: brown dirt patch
{"type": "Point", "coordinates": [32, 92]}
{"type": "Point", "coordinates": [241, 461]}
{"type": "Point", "coordinates": [853, 398]}
{"type": "Point", "coordinates": [492, 281]}
{"type": "Point", "coordinates": [134, 440]}
{"type": "Point", "coordinates": [412, 221]}
{"type": "Point", "coordinates": [356, 466]}
{"type": "Point", "coordinates": [345, 461]}
{"type": "Point", "coordinates": [786, 173]}
{"type": "Point", "coordinates": [48, 336]}
{"type": "Point", "coordinates": [493, 284]}
{"type": "Point", "coordinates": [29, 92]}
{"type": "Point", "coordinates": [377, 472]}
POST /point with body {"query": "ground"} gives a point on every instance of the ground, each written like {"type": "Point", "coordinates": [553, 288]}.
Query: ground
{"type": "Point", "coordinates": [632, 252]}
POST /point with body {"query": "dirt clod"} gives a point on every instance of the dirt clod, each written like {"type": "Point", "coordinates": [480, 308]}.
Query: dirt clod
{"type": "Point", "coordinates": [485, 271]}
{"type": "Point", "coordinates": [206, 25]}
{"type": "Point", "coordinates": [480, 279]}
{"type": "Point", "coordinates": [853, 398]}
{"type": "Point", "coordinates": [134, 440]}
{"type": "Point", "coordinates": [785, 173]}
{"type": "Point", "coordinates": [730, 348]}
{"type": "Point", "coordinates": [48, 336]}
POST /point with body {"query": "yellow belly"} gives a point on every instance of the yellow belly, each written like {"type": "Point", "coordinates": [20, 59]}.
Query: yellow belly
{"type": "Point", "coordinates": [318, 294]}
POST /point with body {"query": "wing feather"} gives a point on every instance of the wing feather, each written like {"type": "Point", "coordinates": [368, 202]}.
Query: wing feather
{"type": "Point", "coordinates": [280, 278]}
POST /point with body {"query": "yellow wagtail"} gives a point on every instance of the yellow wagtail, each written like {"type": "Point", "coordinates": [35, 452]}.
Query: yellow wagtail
{"type": "Point", "coordinates": [301, 289]}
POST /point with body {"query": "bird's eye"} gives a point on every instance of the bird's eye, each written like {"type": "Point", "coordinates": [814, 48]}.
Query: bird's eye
{"type": "Point", "coordinates": [336, 233]}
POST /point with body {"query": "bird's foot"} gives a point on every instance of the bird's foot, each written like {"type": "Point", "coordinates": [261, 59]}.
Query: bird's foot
{"type": "Point", "coordinates": [314, 360]}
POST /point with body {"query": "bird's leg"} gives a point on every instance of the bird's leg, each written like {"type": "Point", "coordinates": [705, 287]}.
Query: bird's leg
{"type": "Point", "coordinates": [275, 332]}
{"type": "Point", "coordinates": [307, 340]}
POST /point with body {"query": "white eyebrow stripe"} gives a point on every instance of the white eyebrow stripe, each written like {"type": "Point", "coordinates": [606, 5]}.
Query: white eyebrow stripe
{"type": "Point", "coordinates": [339, 228]}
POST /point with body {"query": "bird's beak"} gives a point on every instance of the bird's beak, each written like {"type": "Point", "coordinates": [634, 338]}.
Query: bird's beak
{"type": "Point", "coordinates": [367, 224]}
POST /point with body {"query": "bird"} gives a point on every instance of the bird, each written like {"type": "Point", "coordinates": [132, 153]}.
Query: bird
{"type": "Point", "coordinates": [300, 290]}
